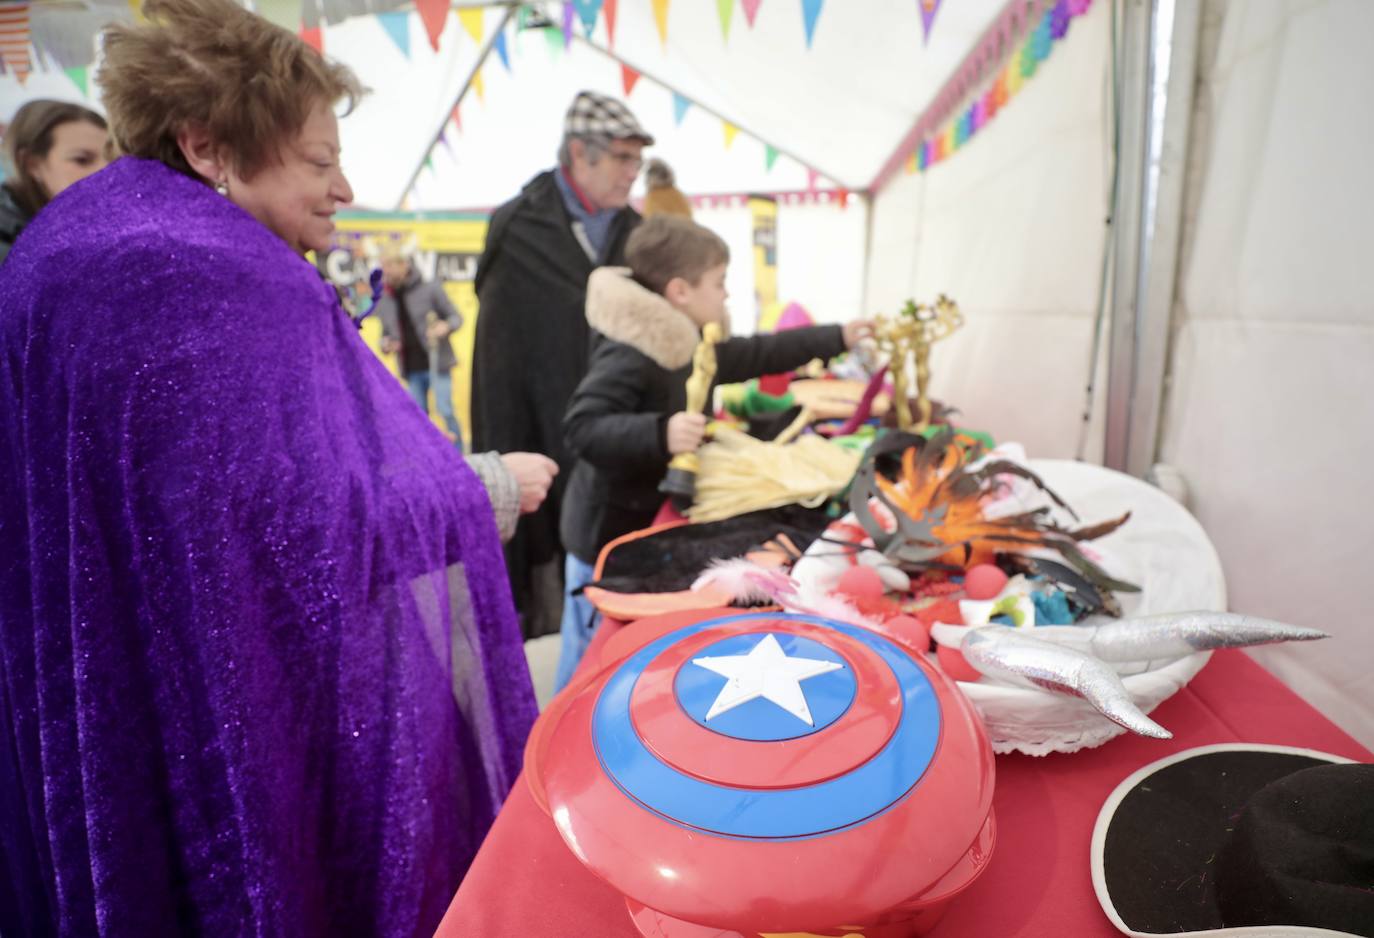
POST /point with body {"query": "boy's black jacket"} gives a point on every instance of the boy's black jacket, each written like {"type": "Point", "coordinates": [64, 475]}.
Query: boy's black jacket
{"type": "Point", "coordinates": [616, 422]}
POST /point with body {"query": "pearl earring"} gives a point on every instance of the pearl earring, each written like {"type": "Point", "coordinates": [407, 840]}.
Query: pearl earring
{"type": "Point", "coordinates": [222, 187]}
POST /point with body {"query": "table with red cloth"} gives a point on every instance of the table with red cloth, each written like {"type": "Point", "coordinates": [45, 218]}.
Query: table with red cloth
{"type": "Point", "coordinates": [525, 883]}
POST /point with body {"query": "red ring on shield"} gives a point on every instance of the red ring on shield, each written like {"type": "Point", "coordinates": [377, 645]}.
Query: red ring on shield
{"type": "Point", "coordinates": [681, 742]}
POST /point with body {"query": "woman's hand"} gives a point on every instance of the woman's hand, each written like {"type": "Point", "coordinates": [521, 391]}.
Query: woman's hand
{"type": "Point", "coordinates": [534, 473]}
{"type": "Point", "coordinates": [685, 431]}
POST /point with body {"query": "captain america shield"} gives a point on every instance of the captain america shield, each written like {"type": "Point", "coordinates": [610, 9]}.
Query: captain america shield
{"type": "Point", "coordinates": [791, 728]}
{"type": "Point", "coordinates": [767, 769]}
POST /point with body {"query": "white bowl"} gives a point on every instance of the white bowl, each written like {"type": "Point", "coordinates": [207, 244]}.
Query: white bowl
{"type": "Point", "coordinates": [1164, 551]}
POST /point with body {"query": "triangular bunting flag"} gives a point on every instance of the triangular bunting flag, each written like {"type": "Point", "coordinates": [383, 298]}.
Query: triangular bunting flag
{"type": "Point", "coordinates": [811, 176]}
{"type": "Point", "coordinates": [586, 12]}
{"type": "Point", "coordinates": [843, 196]}
{"type": "Point", "coordinates": [434, 14]}
{"type": "Point", "coordinates": [567, 24]}
{"type": "Point", "coordinates": [910, 166]}
{"type": "Point", "coordinates": [730, 131]}
{"type": "Point", "coordinates": [554, 37]}
{"type": "Point", "coordinates": [78, 75]}
{"type": "Point", "coordinates": [314, 38]}
{"type": "Point", "coordinates": [680, 106]}
{"type": "Point", "coordinates": [443, 142]}
{"type": "Point", "coordinates": [725, 8]}
{"type": "Point", "coordinates": [137, 7]}
{"type": "Point", "coordinates": [608, 7]}
{"type": "Point", "coordinates": [628, 77]}
{"type": "Point", "coordinates": [751, 10]}
{"type": "Point", "coordinates": [473, 20]}
{"type": "Point", "coordinates": [478, 87]}
{"type": "Point", "coordinates": [500, 44]}
{"type": "Point", "coordinates": [770, 156]}
{"type": "Point", "coordinates": [811, 11]}
{"type": "Point", "coordinates": [928, 10]}
{"type": "Point", "coordinates": [397, 26]}
{"type": "Point", "coordinates": [661, 19]}
{"type": "Point", "coordinates": [283, 13]}
{"type": "Point", "coordinates": [14, 39]}
{"type": "Point", "coordinates": [457, 118]}
{"type": "Point", "coordinates": [429, 161]}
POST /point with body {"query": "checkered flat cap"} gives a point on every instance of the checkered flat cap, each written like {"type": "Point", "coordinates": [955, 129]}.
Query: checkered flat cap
{"type": "Point", "coordinates": [596, 115]}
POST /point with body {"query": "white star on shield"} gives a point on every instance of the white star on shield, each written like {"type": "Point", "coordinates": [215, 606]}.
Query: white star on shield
{"type": "Point", "coordinates": [765, 672]}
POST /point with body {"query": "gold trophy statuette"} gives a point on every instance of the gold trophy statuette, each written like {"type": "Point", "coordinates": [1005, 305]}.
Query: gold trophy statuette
{"type": "Point", "coordinates": [907, 338]}
{"type": "Point", "coordinates": [680, 484]}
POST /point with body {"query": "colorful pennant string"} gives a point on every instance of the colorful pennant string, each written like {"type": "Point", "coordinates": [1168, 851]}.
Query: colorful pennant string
{"type": "Point", "coordinates": [434, 16]}
{"type": "Point", "coordinates": [474, 23]}
{"type": "Point", "coordinates": [499, 44]}
{"type": "Point", "coordinates": [397, 26]}
{"type": "Point", "coordinates": [1020, 65]}
{"type": "Point", "coordinates": [661, 19]}
{"type": "Point", "coordinates": [587, 11]}
{"type": "Point", "coordinates": [608, 7]}
{"type": "Point", "coordinates": [811, 11]}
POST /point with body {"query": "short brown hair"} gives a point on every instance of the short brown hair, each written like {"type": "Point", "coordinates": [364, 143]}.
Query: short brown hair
{"type": "Point", "coordinates": [212, 64]}
{"type": "Point", "coordinates": [30, 136]}
{"type": "Point", "coordinates": [668, 246]}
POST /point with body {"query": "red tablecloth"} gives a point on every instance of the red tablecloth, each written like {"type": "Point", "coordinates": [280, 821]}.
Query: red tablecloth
{"type": "Point", "coordinates": [525, 884]}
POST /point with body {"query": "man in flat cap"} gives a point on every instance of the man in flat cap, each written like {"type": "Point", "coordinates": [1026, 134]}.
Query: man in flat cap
{"type": "Point", "coordinates": [532, 335]}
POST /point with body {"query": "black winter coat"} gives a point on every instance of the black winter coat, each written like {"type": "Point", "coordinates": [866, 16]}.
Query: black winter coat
{"type": "Point", "coordinates": [530, 352]}
{"type": "Point", "coordinates": [13, 218]}
{"type": "Point", "coordinates": [617, 420]}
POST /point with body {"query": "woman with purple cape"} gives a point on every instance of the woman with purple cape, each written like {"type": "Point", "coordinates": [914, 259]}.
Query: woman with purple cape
{"type": "Point", "coordinates": [259, 669]}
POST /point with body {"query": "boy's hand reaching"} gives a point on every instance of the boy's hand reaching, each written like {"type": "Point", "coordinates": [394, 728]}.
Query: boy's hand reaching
{"type": "Point", "coordinates": [685, 431]}
{"type": "Point", "coordinates": [534, 473]}
{"type": "Point", "coordinates": [856, 331]}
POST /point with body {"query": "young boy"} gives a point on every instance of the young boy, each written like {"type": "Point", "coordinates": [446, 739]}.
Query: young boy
{"type": "Point", "coordinates": [627, 419]}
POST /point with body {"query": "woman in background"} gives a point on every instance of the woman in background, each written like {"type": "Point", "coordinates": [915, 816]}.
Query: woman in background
{"type": "Point", "coordinates": [662, 196]}
{"type": "Point", "coordinates": [49, 145]}
{"type": "Point", "coordinates": [260, 673]}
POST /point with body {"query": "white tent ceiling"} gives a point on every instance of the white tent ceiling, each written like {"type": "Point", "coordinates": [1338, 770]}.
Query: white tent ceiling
{"type": "Point", "coordinates": [839, 107]}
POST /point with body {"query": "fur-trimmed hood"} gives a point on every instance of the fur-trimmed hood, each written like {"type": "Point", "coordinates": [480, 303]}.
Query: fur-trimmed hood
{"type": "Point", "coordinates": [622, 310]}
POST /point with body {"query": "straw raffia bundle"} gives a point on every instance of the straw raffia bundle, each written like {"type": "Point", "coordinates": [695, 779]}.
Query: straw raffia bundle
{"type": "Point", "coordinates": [739, 474]}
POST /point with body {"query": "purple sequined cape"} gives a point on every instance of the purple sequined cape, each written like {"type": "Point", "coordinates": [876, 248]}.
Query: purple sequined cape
{"type": "Point", "coordinates": [259, 669]}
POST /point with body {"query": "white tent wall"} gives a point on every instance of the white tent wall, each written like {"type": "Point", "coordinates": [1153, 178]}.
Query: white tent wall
{"type": "Point", "coordinates": [1270, 414]}
{"type": "Point", "coordinates": [820, 258]}
{"type": "Point", "coordinates": [1012, 228]}
{"type": "Point", "coordinates": [735, 225]}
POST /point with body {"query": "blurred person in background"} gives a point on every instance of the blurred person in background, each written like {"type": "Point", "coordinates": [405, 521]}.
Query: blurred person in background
{"type": "Point", "coordinates": [418, 323]}
{"type": "Point", "coordinates": [663, 196]}
{"type": "Point", "coordinates": [49, 145]}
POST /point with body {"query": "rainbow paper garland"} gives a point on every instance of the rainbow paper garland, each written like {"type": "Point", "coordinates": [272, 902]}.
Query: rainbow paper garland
{"type": "Point", "coordinates": [1019, 67]}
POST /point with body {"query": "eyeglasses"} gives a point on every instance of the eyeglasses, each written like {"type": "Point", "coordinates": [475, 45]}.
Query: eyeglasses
{"type": "Point", "coordinates": [627, 160]}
